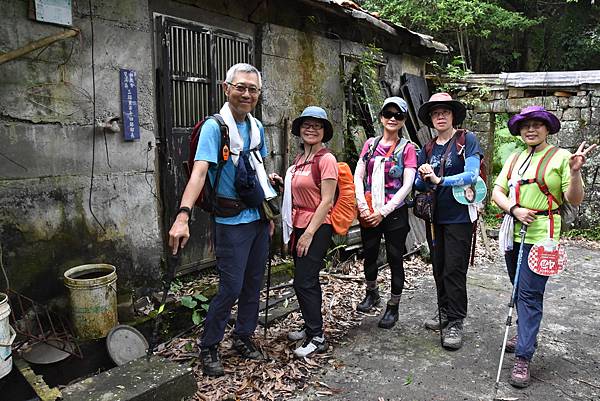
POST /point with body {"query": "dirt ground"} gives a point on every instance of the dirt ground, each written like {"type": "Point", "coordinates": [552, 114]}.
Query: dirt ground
{"type": "Point", "coordinates": [408, 363]}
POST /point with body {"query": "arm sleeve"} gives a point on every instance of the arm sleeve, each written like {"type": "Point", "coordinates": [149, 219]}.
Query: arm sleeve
{"type": "Point", "coordinates": [359, 176]}
{"type": "Point", "coordinates": [469, 176]}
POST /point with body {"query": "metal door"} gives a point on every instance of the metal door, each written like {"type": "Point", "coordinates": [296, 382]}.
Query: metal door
{"type": "Point", "coordinates": [192, 62]}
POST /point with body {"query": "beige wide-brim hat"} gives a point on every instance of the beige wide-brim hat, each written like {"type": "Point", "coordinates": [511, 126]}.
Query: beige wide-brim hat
{"type": "Point", "coordinates": [459, 111]}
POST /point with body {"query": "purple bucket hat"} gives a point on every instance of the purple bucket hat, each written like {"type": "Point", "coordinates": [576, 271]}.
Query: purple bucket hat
{"type": "Point", "coordinates": [537, 113]}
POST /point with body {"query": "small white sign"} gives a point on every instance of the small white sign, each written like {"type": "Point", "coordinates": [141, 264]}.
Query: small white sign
{"type": "Point", "coordinates": [54, 11]}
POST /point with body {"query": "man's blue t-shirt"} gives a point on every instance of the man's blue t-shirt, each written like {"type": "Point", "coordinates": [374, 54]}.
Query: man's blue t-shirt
{"type": "Point", "coordinates": [209, 144]}
{"type": "Point", "coordinates": [448, 210]}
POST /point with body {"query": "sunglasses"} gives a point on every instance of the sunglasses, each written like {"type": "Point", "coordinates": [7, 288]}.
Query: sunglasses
{"type": "Point", "coordinates": [389, 114]}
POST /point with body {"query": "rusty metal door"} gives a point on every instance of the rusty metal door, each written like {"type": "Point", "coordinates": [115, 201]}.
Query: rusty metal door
{"type": "Point", "coordinates": [192, 61]}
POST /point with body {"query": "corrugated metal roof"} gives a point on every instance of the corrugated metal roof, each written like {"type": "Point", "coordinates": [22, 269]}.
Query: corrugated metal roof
{"type": "Point", "coordinates": [550, 79]}
{"type": "Point", "coordinates": [357, 12]}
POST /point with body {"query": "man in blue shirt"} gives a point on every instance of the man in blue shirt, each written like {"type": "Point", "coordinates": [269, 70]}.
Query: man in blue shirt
{"type": "Point", "coordinates": [241, 241]}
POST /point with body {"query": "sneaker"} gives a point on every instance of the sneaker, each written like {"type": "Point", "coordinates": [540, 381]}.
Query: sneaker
{"type": "Point", "coordinates": [246, 348]}
{"type": "Point", "coordinates": [369, 302]}
{"type": "Point", "coordinates": [297, 335]}
{"type": "Point", "coordinates": [511, 345]}
{"type": "Point", "coordinates": [434, 322]}
{"type": "Point", "coordinates": [453, 335]}
{"type": "Point", "coordinates": [311, 345]}
{"type": "Point", "coordinates": [211, 362]}
{"type": "Point", "coordinates": [519, 376]}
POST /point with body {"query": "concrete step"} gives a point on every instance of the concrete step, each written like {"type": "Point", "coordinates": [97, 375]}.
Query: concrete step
{"type": "Point", "coordinates": [138, 380]}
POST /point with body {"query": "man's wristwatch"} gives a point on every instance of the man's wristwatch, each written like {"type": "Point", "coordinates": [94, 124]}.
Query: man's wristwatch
{"type": "Point", "coordinates": [185, 209]}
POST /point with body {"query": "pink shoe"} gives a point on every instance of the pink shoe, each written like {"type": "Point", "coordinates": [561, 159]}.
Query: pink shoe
{"type": "Point", "coordinates": [520, 373]}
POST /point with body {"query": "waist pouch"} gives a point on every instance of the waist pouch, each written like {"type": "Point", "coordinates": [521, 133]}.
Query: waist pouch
{"type": "Point", "coordinates": [227, 207]}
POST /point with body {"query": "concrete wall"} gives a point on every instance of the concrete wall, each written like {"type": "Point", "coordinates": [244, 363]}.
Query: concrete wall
{"type": "Point", "coordinates": [46, 131]}
{"type": "Point", "coordinates": [46, 116]}
{"type": "Point", "coordinates": [579, 112]}
{"type": "Point", "coordinates": [302, 69]}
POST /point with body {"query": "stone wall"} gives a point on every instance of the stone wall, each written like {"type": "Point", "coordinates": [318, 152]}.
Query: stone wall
{"type": "Point", "coordinates": [579, 112]}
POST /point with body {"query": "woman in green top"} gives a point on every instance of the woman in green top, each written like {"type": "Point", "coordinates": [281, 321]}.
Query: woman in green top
{"type": "Point", "coordinates": [528, 205]}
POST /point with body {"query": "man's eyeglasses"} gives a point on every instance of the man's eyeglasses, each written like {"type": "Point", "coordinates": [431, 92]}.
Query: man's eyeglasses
{"type": "Point", "coordinates": [440, 113]}
{"type": "Point", "coordinates": [241, 88]}
{"type": "Point", "coordinates": [313, 125]}
{"type": "Point", "coordinates": [389, 114]}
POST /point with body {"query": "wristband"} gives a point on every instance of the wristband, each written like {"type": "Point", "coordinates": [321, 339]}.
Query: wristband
{"type": "Point", "coordinates": [510, 211]}
{"type": "Point", "coordinates": [186, 210]}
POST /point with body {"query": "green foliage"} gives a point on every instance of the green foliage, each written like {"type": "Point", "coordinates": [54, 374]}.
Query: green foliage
{"type": "Point", "coordinates": [492, 215]}
{"type": "Point", "coordinates": [500, 35]}
{"type": "Point", "coordinates": [592, 234]}
{"type": "Point", "coordinates": [504, 144]}
{"type": "Point", "coordinates": [450, 78]}
{"type": "Point", "coordinates": [198, 303]}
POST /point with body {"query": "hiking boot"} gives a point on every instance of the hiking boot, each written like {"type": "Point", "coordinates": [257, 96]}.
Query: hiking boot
{"type": "Point", "coordinates": [371, 300]}
{"type": "Point", "coordinates": [310, 346]}
{"type": "Point", "coordinates": [511, 345]}
{"type": "Point", "coordinates": [211, 362]}
{"type": "Point", "coordinates": [297, 335]}
{"type": "Point", "coordinates": [246, 348]}
{"type": "Point", "coordinates": [390, 317]}
{"type": "Point", "coordinates": [434, 322]}
{"type": "Point", "coordinates": [519, 376]}
{"type": "Point", "coordinates": [453, 335]}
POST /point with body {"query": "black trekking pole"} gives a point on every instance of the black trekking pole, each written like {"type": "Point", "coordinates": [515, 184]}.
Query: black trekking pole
{"type": "Point", "coordinates": [268, 288]}
{"type": "Point", "coordinates": [172, 262]}
{"type": "Point", "coordinates": [437, 292]}
{"type": "Point", "coordinates": [511, 305]}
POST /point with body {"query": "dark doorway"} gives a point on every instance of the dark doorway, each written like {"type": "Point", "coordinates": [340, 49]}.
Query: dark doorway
{"type": "Point", "coordinates": [192, 62]}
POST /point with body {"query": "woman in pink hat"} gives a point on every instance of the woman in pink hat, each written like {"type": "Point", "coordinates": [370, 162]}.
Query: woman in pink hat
{"type": "Point", "coordinates": [452, 158]}
{"type": "Point", "coordinates": [518, 193]}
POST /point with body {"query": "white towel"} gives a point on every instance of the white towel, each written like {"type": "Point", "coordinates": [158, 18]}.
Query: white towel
{"type": "Point", "coordinates": [236, 145]}
{"type": "Point", "coordinates": [286, 206]}
{"type": "Point", "coordinates": [507, 229]}
{"type": "Point", "coordinates": [378, 183]}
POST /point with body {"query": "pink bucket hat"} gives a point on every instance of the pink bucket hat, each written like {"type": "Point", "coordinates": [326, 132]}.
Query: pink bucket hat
{"type": "Point", "coordinates": [459, 110]}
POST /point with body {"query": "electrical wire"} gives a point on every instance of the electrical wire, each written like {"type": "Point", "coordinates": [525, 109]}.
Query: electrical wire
{"type": "Point", "coordinates": [93, 117]}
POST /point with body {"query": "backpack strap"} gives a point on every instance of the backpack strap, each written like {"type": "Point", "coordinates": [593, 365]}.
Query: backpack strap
{"type": "Point", "coordinates": [513, 162]}
{"type": "Point", "coordinates": [223, 155]}
{"type": "Point", "coordinates": [315, 171]}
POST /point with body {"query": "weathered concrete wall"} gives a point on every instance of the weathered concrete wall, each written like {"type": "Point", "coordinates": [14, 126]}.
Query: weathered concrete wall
{"type": "Point", "coordinates": [580, 121]}
{"type": "Point", "coordinates": [46, 113]}
{"type": "Point", "coordinates": [302, 69]}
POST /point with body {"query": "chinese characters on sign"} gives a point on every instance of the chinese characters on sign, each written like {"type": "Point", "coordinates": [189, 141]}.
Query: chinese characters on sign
{"type": "Point", "coordinates": [129, 105]}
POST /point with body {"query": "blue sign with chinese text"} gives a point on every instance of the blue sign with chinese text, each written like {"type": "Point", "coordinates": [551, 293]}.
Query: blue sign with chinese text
{"type": "Point", "coordinates": [129, 105]}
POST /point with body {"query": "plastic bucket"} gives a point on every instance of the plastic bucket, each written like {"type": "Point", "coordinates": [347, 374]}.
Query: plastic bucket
{"type": "Point", "coordinates": [7, 336]}
{"type": "Point", "coordinates": [93, 298]}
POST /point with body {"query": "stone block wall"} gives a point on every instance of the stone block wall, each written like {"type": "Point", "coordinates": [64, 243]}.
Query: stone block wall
{"type": "Point", "coordinates": [580, 121]}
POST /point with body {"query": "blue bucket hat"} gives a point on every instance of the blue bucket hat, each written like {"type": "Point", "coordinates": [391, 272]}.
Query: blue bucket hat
{"type": "Point", "coordinates": [318, 114]}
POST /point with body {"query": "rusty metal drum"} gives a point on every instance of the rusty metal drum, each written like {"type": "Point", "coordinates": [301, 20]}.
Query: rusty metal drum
{"type": "Point", "coordinates": [93, 299]}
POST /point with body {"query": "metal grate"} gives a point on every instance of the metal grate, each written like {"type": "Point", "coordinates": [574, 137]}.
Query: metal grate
{"type": "Point", "coordinates": [199, 59]}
